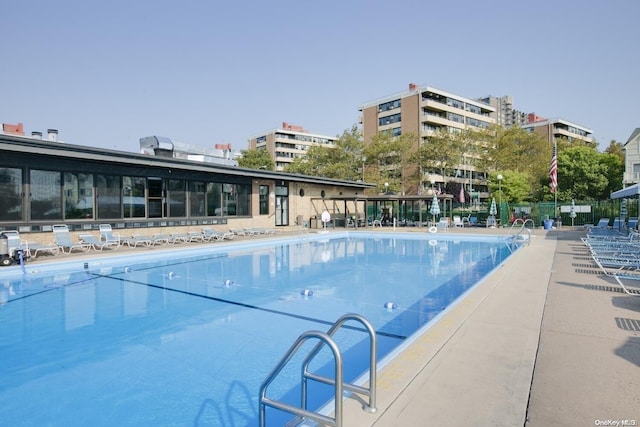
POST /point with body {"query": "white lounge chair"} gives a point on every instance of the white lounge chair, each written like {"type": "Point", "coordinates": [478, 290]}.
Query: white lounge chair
{"type": "Point", "coordinates": [34, 249]}
{"type": "Point", "coordinates": [97, 244]}
{"type": "Point", "coordinates": [240, 232]}
{"type": "Point", "coordinates": [108, 236]}
{"type": "Point", "coordinates": [63, 240]}
{"type": "Point", "coordinates": [138, 240]}
{"type": "Point", "coordinates": [211, 234]}
{"type": "Point", "coordinates": [443, 224]}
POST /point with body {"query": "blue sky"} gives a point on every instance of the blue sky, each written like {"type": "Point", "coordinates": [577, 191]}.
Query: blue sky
{"type": "Point", "coordinates": [207, 72]}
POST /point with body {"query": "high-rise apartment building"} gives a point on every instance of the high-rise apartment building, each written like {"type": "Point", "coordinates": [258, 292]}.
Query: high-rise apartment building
{"type": "Point", "coordinates": [551, 129]}
{"type": "Point", "coordinates": [423, 110]}
{"type": "Point", "coordinates": [288, 143]}
{"type": "Point", "coordinates": [505, 114]}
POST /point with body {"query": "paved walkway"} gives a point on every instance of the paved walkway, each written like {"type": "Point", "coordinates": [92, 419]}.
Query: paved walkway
{"type": "Point", "coordinates": [544, 342]}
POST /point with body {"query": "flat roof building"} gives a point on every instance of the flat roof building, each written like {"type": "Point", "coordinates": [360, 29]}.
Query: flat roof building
{"type": "Point", "coordinates": [551, 129]}
{"type": "Point", "coordinates": [44, 182]}
{"type": "Point", "coordinates": [288, 143]}
{"type": "Point", "coordinates": [424, 110]}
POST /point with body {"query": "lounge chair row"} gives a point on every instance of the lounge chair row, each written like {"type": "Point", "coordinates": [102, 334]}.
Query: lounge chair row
{"type": "Point", "coordinates": [254, 231]}
{"type": "Point", "coordinates": [108, 239]}
{"type": "Point", "coordinates": [64, 243]}
{"type": "Point", "coordinates": [618, 256]}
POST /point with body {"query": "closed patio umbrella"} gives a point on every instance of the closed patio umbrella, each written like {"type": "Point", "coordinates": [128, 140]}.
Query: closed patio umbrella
{"type": "Point", "coordinates": [491, 221]}
{"type": "Point", "coordinates": [435, 207]}
{"type": "Point", "coordinates": [493, 209]}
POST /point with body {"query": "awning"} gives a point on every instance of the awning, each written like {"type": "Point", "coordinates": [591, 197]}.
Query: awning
{"type": "Point", "coordinates": [631, 191]}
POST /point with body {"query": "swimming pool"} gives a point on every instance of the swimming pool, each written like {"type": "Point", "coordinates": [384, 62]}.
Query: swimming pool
{"type": "Point", "coordinates": [186, 336]}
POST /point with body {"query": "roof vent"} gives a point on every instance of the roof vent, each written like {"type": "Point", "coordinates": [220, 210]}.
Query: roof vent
{"type": "Point", "coordinates": [52, 134]}
{"type": "Point", "coordinates": [36, 134]}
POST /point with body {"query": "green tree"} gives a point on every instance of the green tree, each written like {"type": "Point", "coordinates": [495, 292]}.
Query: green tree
{"type": "Point", "coordinates": [616, 149]}
{"type": "Point", "coordinates": [514, 149]}
{"type": "Point", "coordinates": [389, 160]}
{"type": "Point", "coordinates": [582, 174]}
{"type": "Point", "coordinates": [442, 153]}
{"type": "Point", "coordinates": [515, 186]}
{"type": "Point", "coordinates": [344, 160]}
{"type": "Point", "coordinates": [614, 165]}
{"type": "Point", "coordinates": [256, 159]}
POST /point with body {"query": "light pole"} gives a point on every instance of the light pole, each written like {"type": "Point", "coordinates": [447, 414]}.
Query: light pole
{"type": "Point", "coordinates": [364, 159]}
{"type": "Point", "coordinates": [500, 195]}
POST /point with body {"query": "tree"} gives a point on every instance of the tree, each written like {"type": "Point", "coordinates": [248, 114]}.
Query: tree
{"type": "Point", "coordinates": [582, 174]}
{"type": "Point", "coordinates": [515, 186]}
{"type": "Point", "coordinates": [514, 149]}
{"type": "Point", "coordinates": [256, 159]}
{"type": "Point", "coordinates": [443, 152]}
{"type": "Point", "coordinates": [614, 166]}
{"type": "Point", "coordinates": [344, 160]}
{"type": "Point", "coordinates": [616, 149]}
{"type": "Point", "coordinates": [389, 158]}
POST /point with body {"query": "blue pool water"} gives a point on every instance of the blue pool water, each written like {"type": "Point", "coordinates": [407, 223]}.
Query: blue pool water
{"type": "Point", "coordinates": [185, 337]}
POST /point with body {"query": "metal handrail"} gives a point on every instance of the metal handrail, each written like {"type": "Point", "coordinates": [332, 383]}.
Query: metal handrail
{"type": "Point", "coordinates": [523, 227]}
{"type": "Point", "coordinates": [371, 390]}
{"type": "Point", "coordinates": [265, 401]}
{"type": "Point", "coordinates": [337, 383]}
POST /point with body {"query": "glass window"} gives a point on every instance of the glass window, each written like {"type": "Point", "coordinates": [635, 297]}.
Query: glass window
{"type": "Point", "coordinates": [282, 190]}
{"type": "Point", "coordinates": [155, 187]}
{"type": "Point", "coordinates": [78, 195]}
{"type": "Point", "coordinates": [133, 197]}
{"type": "Point", "coordinates": [177, 198]}
{"type": "Point", "coordinates": [214, 199]}
{"type": "Point", "coordinates": [229, 204]}
{"type": "Point", "coordinates": [46, 200]}
{"type": "Point", "coordinates": [243, 199]}
{"type": "Point", "coordinates": [10, 193]}
{"type": "Point", "coordinates": [264, 200]}
{"type": "Point", "coordinates": [197, 192]}
{"type": "Point", "coordinates": [108, 196]}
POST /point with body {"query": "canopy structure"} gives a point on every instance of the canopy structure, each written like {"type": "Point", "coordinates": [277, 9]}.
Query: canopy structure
{"type": "Point", "coordinates": [631, 191]}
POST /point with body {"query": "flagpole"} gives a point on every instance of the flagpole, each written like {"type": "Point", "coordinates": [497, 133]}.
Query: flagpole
{"type": "Point", "coordinates": [555, 193]}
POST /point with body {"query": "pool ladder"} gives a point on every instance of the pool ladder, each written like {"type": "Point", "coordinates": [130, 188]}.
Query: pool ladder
{"type": "Point", "coordinates": [338, 383]}
{"type": "Point", "coordinates": [518, 236]}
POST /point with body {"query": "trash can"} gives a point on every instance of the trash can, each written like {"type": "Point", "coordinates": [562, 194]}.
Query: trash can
{"type": "Point", "coordinates": [548, 224]}
{"type": "Point", "coordinates": [4, 244]}
{"type": "Point", "coordinates": [5, 256]}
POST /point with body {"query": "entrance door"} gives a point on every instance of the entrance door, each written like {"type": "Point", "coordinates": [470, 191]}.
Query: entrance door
{"type": "Point", "coordinates": [282, 210]}
{"type": "Point", "coordinates": [282, 204]}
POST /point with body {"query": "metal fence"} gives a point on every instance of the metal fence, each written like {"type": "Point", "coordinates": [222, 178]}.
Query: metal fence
{"type": "Point", "coordinates": [585, 212]}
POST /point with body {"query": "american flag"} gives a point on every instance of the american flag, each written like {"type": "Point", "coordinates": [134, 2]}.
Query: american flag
{"type": "Point", "coordinates": [553, 171]}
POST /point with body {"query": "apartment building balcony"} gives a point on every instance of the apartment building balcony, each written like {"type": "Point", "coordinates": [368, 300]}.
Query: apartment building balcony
{"type": "Point", "coordinates": [561, 132]}
{"type": "Point", "coordinates": [440, 106]}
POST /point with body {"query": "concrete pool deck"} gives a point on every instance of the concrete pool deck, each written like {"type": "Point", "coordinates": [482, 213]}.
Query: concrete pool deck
{"type": "Point", "coordinates": [546, 340]}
